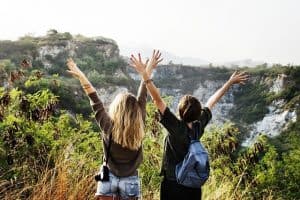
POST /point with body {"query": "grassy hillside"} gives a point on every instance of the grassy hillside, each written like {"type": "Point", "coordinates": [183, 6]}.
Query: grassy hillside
{"type": "Point", "coordinates": [46, 153]}
{"type": "Point", "coordinates": [50, 146]}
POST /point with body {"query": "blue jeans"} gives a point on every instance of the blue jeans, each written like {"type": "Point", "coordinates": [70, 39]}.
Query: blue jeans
{"type": "Point", "coordinates": [124, 187]}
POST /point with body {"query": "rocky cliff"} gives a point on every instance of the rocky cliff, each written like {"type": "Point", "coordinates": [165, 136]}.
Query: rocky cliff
{"type": "Point", "coordinates": [270, 119]}
{"type": "Point", "coordinates": [259, 107]}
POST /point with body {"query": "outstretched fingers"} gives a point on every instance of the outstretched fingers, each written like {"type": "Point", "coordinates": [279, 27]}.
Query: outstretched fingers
{"type": "Point", "coordinates": [147, 61]}
{"type": "Point", "coordinates": [137, 63]}
{"type": "Point", "coordinates": [242, 78]}
{"type": "Point", "coordinates": [153, 53]}
{"type": "Point", "coordinates": [133, 59]}
{"type": "Point", "coordinates": [158, 55]}
{"type": "Point", "coordinates": [74, 72]}
{"type": "Point", "coordinates": [156, 59]}
{"type": "Point", "coordinates": [72, 65]}
{"type": "Point", "coordinates": [134, 62]}
{"type": "Point", "coordinates": [243, 75]}
{"type": "Point", "coordinates": [140, 59]}
{"type": "Point", "coordinates": [234, 73]}
{"type": "Point", "coordinates": [239, 77]}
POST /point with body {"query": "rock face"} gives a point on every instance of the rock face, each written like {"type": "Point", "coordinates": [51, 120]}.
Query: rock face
{"type": "Point", "coordinates": [279, 83]}
{"type": "Point", "coordinates": [107, 95]}
{"type": "Point", "coordinates": [52, 50]}
{"type": "Point", "coordinates": [277, 119]}
{"type": "Point", "coordinates": [46, 53]}
{"type": "Point", "coordinates": [201, 83]}
{"type": "Point", "coordinates": [70, 48]}
{"type": "Point", "coordinates": [271, 125]}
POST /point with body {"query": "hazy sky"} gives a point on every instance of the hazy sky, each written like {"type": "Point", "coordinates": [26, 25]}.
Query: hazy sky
{"type": "Point", "coordinates": [214, 30]}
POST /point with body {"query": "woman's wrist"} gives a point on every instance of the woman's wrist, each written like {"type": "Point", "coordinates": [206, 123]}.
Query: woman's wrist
{"type": "Point", "coordinates": [89, 90]}
{"type": "Point", "coordinates": [147, 81]}
{"type": "Point", "coordinates": [230, 82]}
{"type": "Point", "coordinates": [84, 81]}
{"type": "Point", "coordinates": [86, 86]}
{"type": "Point", "coordinates": [149, 71]}
{"type": "Point", "coordinates": [145, 76]}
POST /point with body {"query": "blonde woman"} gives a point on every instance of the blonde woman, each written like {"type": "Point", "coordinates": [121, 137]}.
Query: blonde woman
{"type": "Point", "coordinates": [123, 132]}
{"type": "Point", "coordinates": [177, 140]}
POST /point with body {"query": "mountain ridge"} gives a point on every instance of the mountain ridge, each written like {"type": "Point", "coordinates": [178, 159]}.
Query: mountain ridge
{"type": "Point", "coordinates": [100, 59]}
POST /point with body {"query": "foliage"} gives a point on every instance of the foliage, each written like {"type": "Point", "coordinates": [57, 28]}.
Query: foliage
{"type": "Point", "coordinates": [250, 103]}
{"type": "Point", "coordinates": [48, 151]}
{"type": "Point", "coordinates": [252, 99]}
{"type": "Point", "coordinates": [63, 152]}
{"type": "Point", "coordinates": [34, 134]}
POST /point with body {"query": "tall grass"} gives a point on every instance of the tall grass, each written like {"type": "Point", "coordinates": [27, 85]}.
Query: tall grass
{"type": "Point", "coordinates": [56, 183]}
{"type": "Point", "coordinates": [72, 181]}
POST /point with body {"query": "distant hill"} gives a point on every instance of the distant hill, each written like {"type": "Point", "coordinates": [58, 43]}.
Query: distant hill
{"type": "Point", "coordinates": [49, 151]}
{"type": "Point", "coordinates": [100, 59]}
{"type": "Point", "coordinates": [168, 57]}
{"type": "Point", "coordinates": [191, 61]}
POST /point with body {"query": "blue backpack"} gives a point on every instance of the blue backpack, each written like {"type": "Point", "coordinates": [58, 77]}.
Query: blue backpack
{"type": "Point", "coordinates": [193, 171]}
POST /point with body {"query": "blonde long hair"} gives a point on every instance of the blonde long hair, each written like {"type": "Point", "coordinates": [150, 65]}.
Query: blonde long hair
{"type": "Point", "coordinates": [128, 124]}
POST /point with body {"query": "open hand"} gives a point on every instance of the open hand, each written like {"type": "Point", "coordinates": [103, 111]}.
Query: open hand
{"type": "Point", "coordinates": [74, 70]}
{"type": "Point", "coordinates": [238, 78]}
{"type": "Point", "coordinates": [138, 64]}
{"type": "Point", "coordinates": [152, 64]}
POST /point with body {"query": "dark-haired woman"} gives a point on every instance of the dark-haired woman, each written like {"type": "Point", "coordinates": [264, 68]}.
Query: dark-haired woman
{"type": "Point", "coordinates": [177, 140]}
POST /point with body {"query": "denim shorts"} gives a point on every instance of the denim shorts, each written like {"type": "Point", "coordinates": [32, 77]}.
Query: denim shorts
{"type": "Point", "coordinates": [124, 187]}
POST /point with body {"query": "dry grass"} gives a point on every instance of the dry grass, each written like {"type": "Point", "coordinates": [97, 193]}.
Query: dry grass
{"type": "Point", "coordinates": [66, 182]}
{"type": "Point", "coordinates": [227, 190]}
{"type": "Point", "coordinates": [59, 184]}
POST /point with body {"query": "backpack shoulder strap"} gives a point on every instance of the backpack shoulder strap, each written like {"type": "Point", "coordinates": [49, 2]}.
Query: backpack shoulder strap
{"type": "Point", "coordinates": [196, 130]}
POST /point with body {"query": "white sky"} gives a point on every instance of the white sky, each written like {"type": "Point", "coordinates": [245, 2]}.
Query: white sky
{"type": "Point", "coordinates": [214, 30]}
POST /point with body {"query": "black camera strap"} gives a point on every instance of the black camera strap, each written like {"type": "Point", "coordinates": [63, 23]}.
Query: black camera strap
{"type": "Point", "coordinates": [108, 148]}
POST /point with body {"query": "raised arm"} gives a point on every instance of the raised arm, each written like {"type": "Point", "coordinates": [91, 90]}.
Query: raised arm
{"type": "Point", "coordinates": [77, 73]}
{"type": "Point", "coordinates": [236, 78]}
{"type": "Point", "coordinates": [144, 69]}
{"type": "Point", "coordinates": [142, 98]}
{"type": "Point", "coordinates": [101, 116]}
{"type": "Point", "coordinates": [142, 92]}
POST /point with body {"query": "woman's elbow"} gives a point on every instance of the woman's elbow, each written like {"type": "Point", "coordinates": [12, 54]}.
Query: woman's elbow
{"type": "Point", "coordinates": [160, 104]}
